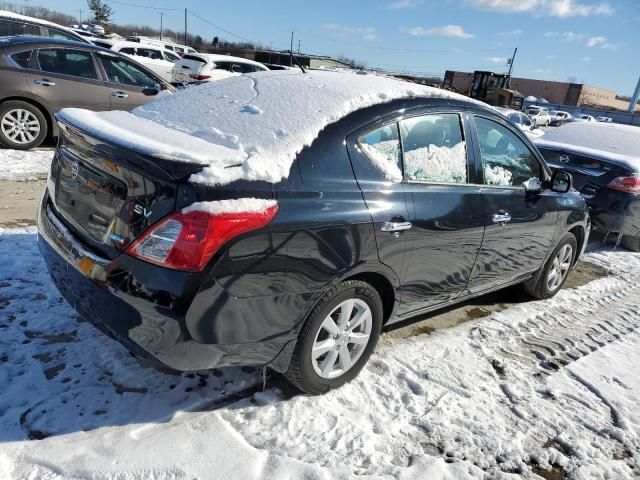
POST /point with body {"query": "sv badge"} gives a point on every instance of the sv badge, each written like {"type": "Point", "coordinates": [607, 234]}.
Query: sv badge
{"type": "Point", "coordinates": [140, 210]}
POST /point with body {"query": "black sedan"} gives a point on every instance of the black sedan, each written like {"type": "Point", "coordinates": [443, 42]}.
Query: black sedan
{"type": "Point", "coordinates": [604, 160]}
{"type": "Point", "coordinates": [408, 203]}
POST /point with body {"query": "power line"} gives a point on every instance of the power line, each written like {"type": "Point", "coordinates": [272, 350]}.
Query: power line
{"type": "Point", "coordinates": [224, 30]}
{"type": "Point", "coordinates": [144, 6]}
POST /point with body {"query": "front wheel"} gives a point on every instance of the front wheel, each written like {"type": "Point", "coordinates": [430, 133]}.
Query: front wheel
{"type": "Point", "coordinates": [550, 279]}
{"type": "Point", "coordinates": [337, 339]}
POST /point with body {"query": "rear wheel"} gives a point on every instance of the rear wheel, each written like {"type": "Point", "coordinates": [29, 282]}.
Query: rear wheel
{"type": "Point", "coordinates": [631, 243]}
{"type": "Point", "coordinates": [22, 125]}
{"type": "Point", "coordinates": [550, 279]}
{"type": "Point", "coordinates": [337, 339]}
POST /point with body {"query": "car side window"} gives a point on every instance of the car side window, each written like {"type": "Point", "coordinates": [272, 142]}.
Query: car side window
{"type": "Point", "coordinates": [434, 148]}
{"type": "Point", "coordinates": [55, 33]}
{"type": "Point", "coordinates": [382, 146]}
{"type": "Point", "coordinates": [8, 28]}
{"type": "Point", "coordinates": [170, 57]}
{"type": "Point", "coordinates": [150, 53]}
{"type": "Point", "coordinates": [506, 160]}
{"type": "Point", "coordinates": [77, 63]}
{"type": "Point", "coordinates": [126, 73]}
{"type": "Point", "coordinates": [525, 120]}
{"type": "Point", "coordinates": [128, 51]}
{"type": "Point", "coordinates": [22, 58]}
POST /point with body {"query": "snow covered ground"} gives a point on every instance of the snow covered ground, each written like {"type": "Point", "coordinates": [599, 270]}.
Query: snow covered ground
{"type": "Point", "coordinates": [542, 388]}
{"type": "Point", "coordinates": [21, 165]}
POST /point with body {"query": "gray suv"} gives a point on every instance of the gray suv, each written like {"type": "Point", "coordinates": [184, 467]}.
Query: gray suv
{"type": "Point", "coordinates": [42, 75]}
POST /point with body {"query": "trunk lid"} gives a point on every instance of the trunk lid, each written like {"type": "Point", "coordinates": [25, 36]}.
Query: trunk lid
{"type": "Point", "coordinates": [108, 195]}
{"type": "Point", "coordinates": [188, 65]}
{"type": "Point", "coordinates": [590, 173]}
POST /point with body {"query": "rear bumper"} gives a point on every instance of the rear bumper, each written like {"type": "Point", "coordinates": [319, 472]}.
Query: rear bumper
{"type": "Point", "coordinates": [614, 211]}
{"type": "Point", "coordinates": [154, 311]}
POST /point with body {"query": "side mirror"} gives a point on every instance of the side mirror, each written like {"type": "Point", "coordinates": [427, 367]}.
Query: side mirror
{"type": "Point", "coordinates": [561, 181]}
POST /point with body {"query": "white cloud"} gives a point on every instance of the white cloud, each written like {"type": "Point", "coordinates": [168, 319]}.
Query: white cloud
{"type": "Point", "coordinates": [455, 31]}
{"type": "Point", "coordinates": [566, 36]}
{"type": "Point", "coordinates": [601, 42]}
{"type": "Point", "coordinates": [400, 4]}
{"type": "Point", "coordinates": [513, 33]}
{"type": "Point", "coordinates": [550, 57]}
{"type": "Point", "coordinates": [502, 60]}
{"type": "Point", "coordinates": [342, 31]}
{"type": "Point", "coordinates": [545, 8]}
{"type": "Point", "coordinates": [585, 59]}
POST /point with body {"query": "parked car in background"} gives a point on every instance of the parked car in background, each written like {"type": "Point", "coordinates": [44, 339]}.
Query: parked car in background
{"type": "Point", "coordinates": [261, 269]}
{"type": "Point", "coordinates": [539, 116]}
{"type": "Point", "coordinates": [15, 24]}
{"type": "Point", "coordinates": [584, 118]}
{"type": "Point", "coordinates": [605, 163]}
{"type": "Point", "coordinates": [156, 59]}
{"type": "Point", "coordinates": [559, 117]}
{"type": "Point", "coordinates": [174, 47]}
{"type": "Point", "coordinates": [42, 75]}
{"type": "Point", "coordinates": [195, 67]}
{"type": "Point", "coordinates": [604, 119]}
{"type": "Point", "coordinates": [273, 66]}
{"type": "Point", "coordinates": [522, 120]}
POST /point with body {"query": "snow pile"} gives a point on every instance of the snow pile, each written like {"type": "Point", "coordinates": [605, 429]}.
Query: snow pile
{"type": "Point", "coordinates": [437, 164]}
{"type": "Point", "coordinates": [239, 205]}
{"type": "Point", "coordinates": [24, 165]}
{"type": "Point", "coordinates": [271, 115]}
{"type": "Point", "coordinates": [497, 175]}
{"type": "Point", "coordinates": [614, 141]}
{"type": "Point", "coordinates": [549, 385]}
{"type": "Point", "coordinates": [385, 155]}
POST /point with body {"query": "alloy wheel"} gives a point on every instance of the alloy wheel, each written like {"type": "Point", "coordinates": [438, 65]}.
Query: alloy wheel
{"type": "Point", "coordinates": [20, 126]}
{"type": "Point", "coordinates": [342, 338]}
{"type": "Point", "coordinates": [559, 268]}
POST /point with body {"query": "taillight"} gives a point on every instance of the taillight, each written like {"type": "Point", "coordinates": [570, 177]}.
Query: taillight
{"type": "Point", "coordinates": [627, 184]}
{"type": "Point", "coordinates": [188, 240]}
{"type": "Point", "coordinates": [196, 76]}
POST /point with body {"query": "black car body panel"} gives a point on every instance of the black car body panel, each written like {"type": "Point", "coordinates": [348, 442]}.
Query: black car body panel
{"type": "Point", "coordinates": [611, 210]}
{"type": "Point", "coordinates": [247, 306]}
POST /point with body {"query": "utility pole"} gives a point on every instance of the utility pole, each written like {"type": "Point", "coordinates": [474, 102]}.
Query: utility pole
{"type": "Point", "coordinates": [291, 50]}
{"type": "Point", "coordinates": [80, 24]}
{"type": "Point", "coordinates": [298, 46]}
{"type": "Point", "coordinates": [634, 99]}
{"type": "Point", "coordinates": [161, 15]}
{"type": "Point", "coordinates": [513, 57]}
{"type": "Point", "coordinates": [185, 26]}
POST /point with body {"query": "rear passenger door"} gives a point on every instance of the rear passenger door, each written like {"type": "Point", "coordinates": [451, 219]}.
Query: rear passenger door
{"type": "Point", "coordinates": [67, 77]}
{"type": "Point", "coordinates": [129, 85]}
{"type": "Point", "coordinates": [520, 225]}
{"type": "Point", "coordinates": [445, 211]}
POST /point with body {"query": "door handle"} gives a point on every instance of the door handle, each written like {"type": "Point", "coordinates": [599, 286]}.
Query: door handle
{"type": "Point", "coordinates": [45, 83]}
{"type": "Point", "coordinates": [119, 95]}
{"type": "Point", "coordinates": [501, 218]}
{"type": "Point", "coordinates": [395, 226]}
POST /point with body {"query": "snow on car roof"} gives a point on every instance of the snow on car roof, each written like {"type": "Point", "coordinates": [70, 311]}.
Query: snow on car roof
{"type": "Point", "coordinates": [614, 141]}
{"type": "Point", "coordinates": [246, 127]}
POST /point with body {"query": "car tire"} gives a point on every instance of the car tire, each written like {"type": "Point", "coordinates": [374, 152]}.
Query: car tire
{"type": "Point", "coordinates": [550, 279]}
{"type": "Point", "coordinates": [631, 243]}
{"type": "Point", "coordinates": [22, 125]}
{"type": "Point", "coordinates": [320, 371]}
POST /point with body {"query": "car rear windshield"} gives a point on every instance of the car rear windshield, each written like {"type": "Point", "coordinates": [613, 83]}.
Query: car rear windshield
{"type": "Point", "coordinates": [194, 58]}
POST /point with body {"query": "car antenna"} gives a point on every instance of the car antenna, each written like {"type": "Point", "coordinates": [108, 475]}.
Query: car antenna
{"type": "Point", "coordinates": [295, 59]}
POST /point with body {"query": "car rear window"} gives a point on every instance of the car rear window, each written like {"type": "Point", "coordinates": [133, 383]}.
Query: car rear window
{"type": "Point", "coordinates": [194, 58]}
{"type": "Point", "coordinates": [22, 58]}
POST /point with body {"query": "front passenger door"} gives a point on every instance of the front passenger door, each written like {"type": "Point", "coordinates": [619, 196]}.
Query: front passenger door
{"type": "Point", "coordinates": [129, 85]}
{"type": "Point", "coordinates": [520, 225]}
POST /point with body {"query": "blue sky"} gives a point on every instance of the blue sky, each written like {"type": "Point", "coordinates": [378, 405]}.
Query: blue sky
{"type": "Point", "coordinates": [590, 40]}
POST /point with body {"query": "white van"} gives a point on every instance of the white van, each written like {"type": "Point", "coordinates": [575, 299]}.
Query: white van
{"type": "Point", "coordinates": [156, 59]}
{"type": "Point", "coordinates": [196, 67]}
